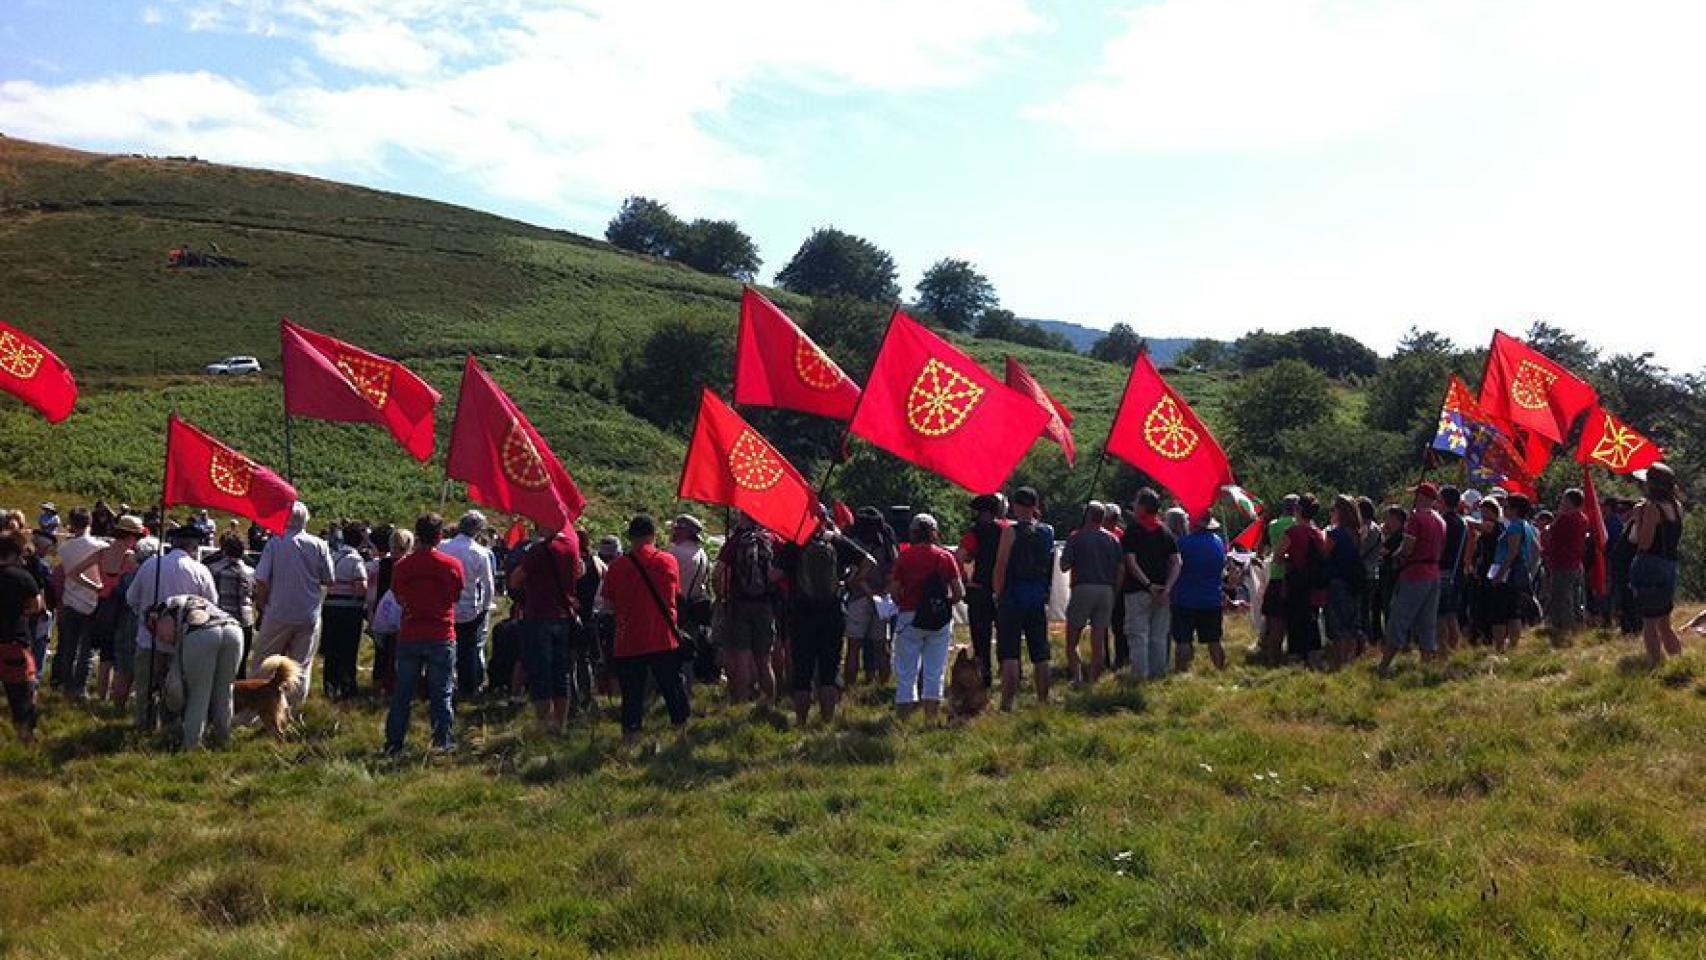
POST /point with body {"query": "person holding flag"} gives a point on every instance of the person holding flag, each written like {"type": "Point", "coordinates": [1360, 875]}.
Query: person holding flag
{"type": "Point", "coordinates": [1024, 563]}
{"type": "Point", "coordinates": [1563, 548]}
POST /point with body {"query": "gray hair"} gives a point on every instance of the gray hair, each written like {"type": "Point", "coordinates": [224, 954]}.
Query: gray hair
{"type": "Point", "coordinates": [471, 523]}
{"type": "Point", "coordinates": [298, 517]}
{"type": "Point", "coordinates": [1095, 513]}
{"type": "Point", "coordinates": [922, 526]}
{"type": "Point", "coordinates": [1178, 521]}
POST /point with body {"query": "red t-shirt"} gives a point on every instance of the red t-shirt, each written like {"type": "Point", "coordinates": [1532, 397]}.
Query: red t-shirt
{"type": "Point", "coordinates": [1566, 543]}
{"type": "Point", "coordinates": [641, 626]}
{"type": "Point", "coordinates": [913, 568]}
{"type": "Point", "coordinates": [1428, 528]}
{"type": "Point", "coordinates": [547, 593]}
{"type": "Point", "coordinates": [427, 584]}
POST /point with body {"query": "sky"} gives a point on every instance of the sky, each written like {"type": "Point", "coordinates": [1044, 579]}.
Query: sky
{"type": "Point", "coordinates": [1191, 167]}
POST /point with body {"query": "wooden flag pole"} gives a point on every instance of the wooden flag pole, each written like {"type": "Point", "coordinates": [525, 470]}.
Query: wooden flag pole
{"type": "Point", "coordinates": [289, 448]}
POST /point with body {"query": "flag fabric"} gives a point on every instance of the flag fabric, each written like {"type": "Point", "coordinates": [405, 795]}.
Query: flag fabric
{"type": "Point", "coordinates": [929, 403]}
{"type": "Point", "coordinates": [729, 463]}
{"type": "Point", "coordinates": [1059, 423]}
{"type": "Point", "coordinates": [505, 462]}
{"type": "Point", "coordinates": [843, 515]}
{"type": "Point", "coordinates": [1597, 574]}
{"type": "Point", "coordinates": [1252, 535]}
{"type": "Point", "coordinates": [516, 535]}
{"type": "Point", "coordinates": [1534, 450]}
{"type": "Point", "coordinates": [1247, 503]}
{"type": "Point", "coordinates": [1530, 390]}
{"type": "Point", "coordinates": [33, 374]}
{"type": "Point", "coordinates": [1157, 432]}
{"type": "Point", "coordinates": [1467, 430]}
{"type": "Point", "coordinates": [777, 365]}
{"type": "Point", "coordinates": [202, 472]}
{"type": "Point", "coordinates": [1615, 445]}
{"type": "Point", "coordinates": [328, 379]}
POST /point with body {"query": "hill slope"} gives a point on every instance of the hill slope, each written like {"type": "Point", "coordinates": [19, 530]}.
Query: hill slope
{"type": "Point", "coordinates": [83, 243]}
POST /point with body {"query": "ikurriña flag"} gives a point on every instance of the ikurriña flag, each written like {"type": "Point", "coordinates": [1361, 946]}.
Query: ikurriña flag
{"type": "Point", "coordinates": [328, 379]}
{"type": "Point", "coordinates": [1530, 390]}
{"type": "Point", "coordinates": [930, 404]}
{"type": "Point", "coordinates": [1059, 427]}
{"type": "Point", "coordinates": [1615, 445]}
{"type": "Point", "coordinates": [33, 374]}
{"type": "Point", "coordinates": [202, 472]}
{"type": "Point", "coordinates": [1157, 432]}
{"type": "Point", "coordinates": [730, 463]}
{"type": "Point", "coordinates": [505, 462]}
{"type": "Point", "coordinates": [777, 365]}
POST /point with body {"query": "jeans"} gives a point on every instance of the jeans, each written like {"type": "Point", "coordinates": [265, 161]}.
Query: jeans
{"type": "Point", "coordinates": [208, 658]}
{"type": "Point", "coordinates": [71, 657]}
{"type": "Point", "coordinates": [919, 652]}
{"type": "Point", "coordinates": [665, 670]}
{"type": "Point", "coordinates": [298, 641]}
{"type": "Point", "coordinates": [440, 662]}
{"type": "Point", "coordinates": [340, 642]}
{"type": "Point", "coordinates": [1147, 623]}
{"type": "Point", "coordinates": [1414, 610]}
{"type": "Point", "coordinates": [470, 657]}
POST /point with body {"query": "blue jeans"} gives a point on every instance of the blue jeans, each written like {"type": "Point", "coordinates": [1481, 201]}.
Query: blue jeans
{"type": "Point", "coordinates": [440, 662]}
{"type": "Point", "coordinates": [471, 657]}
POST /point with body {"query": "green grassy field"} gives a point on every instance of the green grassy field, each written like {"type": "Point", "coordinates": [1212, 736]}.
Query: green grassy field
{"type": "Point", "coordinates": [1541, 805]}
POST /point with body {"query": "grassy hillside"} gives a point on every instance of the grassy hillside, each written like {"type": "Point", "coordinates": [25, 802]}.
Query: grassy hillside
{"type": "Point", "coordinates": [1541, 805]}
{"type": "Point", "coordinates": [83, 241]}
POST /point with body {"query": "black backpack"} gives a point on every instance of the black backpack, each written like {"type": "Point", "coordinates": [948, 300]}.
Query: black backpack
{"type": "Point", "coordinates": [818, 580]}
{"type": "Point", "coordinates": [934, 610]}
{"type": "Point", "coordinates": [754, 556]}
{"type": "Point", "coordinates": [1032, 553]}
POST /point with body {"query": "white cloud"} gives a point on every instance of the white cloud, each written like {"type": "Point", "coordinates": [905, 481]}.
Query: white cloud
{"type": "Point", "coordinates": [557, 106]}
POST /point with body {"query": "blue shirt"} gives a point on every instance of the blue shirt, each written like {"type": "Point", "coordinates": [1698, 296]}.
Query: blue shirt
{"type": "Point", "coordinates": [1202, 566]}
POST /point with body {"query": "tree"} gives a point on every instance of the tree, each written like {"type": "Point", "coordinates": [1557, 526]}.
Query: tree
{"type": "Point", "coordinates": [1121, 345]}
{"type": "Point", "coordinates": [644, 225]}
{"type": "Point", "coordinates": [1332, 353]}
{"type": "Point", "coordinates": [662, 382]}
{"type": "Point", "coordinates": [1289, 395]}
{"type": "Point", "coordinates": [831, 263]}
{"type": "Point", "coordinates": [999, 324]}
{"type": "Point", "coordinates": [1575, 354]}
{"type": "Point", "coordinates": [720, 247]}
{"type": "Point", "coordinates": [1405, 396]}
{"type": "Point", "coordinates": [1205, 354]}
{"type": "Point", "coordinates": [1424, 341]}
{"type": "Point", "coordinates": [954, 295]}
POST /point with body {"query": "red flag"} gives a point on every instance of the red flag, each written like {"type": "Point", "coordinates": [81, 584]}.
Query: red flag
{"type": "Point", "coordinates": [33, 374]}
{"type": "Point", "coordinates": [202, 472]}
{"type": "Point", "coordinates": [1252, 534]}
{"type": "Point", "coordinates": [931, 404]}
{"type": "Point", "coordinates": [777, 365]}
{"type": "Point", "coordinates": [1059, 418]}
{"type": "Point", "coordinates": [514, 536]}
{"type": "Point", "coordinates": [1596, 535]}
{"type": "Point", "coordinates": [1531, 391]}
{"type": "Point", "coordinates": [505, 462]}
{"type": "Point", "coordinates": [843, 515]}
{"type": "Point", "coordinates": [328, 379]}
{"type": "Point", "coordinates": [1615, 445]}
{"type": "Point", "coordinates": [729, 463]}
{"type": "Point", "coordinates": [1157, 432]}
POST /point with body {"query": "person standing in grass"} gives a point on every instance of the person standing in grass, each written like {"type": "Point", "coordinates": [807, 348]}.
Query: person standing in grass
{"type": "Point", "coordinates": [1304, 555]}
{"type": "Point", "coordinates": [235, 581]}
{"type": "Point", "coordinates": [1656, 530]}
{"type": "Point", "coordinates": [641, 587]}
{"type": "Point", "coordinates": [550, 627]}
{"type": "Point", "coordinates": [397, 541]}
{"type": "Point", "coordinates": [1274, 609]}
{"type": "Point", "coordinates": [820, 574]}
{"type": "Point", "coordinates": [1415, 593]}
{"type": "Point", "coordinates": [1514, 562]}
{"type": "Point", "coordinates": [176, 573]}
{"type": "Point", "coordinates": [427, 584]}
{"type": "Point", "coordinates": [1092, 558]}
{"type": "Point", "coordinates": [926, 584]}
{"type": "Point", "coordinates": [1451, 567]}
{"type": "Point", "coordinates": [20, 599]}
{"type": "Point", "coordinates": [976, 555]}
{"type": "Point", "coordinates": [747, 581]}
{"type": "Point", "coordinates": [1198, 595]}
{"type": "Point", "coordinates": [342, 613]}
{"type": "Point", "coordinates": [474, 607]}
{"type": "Point", "coordinates": [1151, 570]}
{"type": "Point", "coordinates": [868, 629]}
{"type": "Point", "coordinates": [1564, 549]}
{"type": "Point", "coordinates": [1024, 571]}
{"type": "Point", "coordinates": [116, 561]}
{"type": "Point", "coordinates": [290, 584]}
{"type": "Point", "coordinates": [78, 556]}
{"type": "Point", "coordinates": [1346, 581]}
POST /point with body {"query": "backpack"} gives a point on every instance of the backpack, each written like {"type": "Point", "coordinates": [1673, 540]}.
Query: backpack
{"type": "Point", "coordinates": [934, 611]}
{"type": "Point", "coordinates": [754, 557]}
{"type": "Point", "coordinates": [819, 577]}
{"type": "Point", "coordinates": [1032, 555]}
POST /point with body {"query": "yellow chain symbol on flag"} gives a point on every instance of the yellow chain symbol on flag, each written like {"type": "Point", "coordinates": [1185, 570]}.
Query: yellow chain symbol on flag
{"type": "Point", "coordinates": [752, 464]}
{"type": "Point", "coordinates": [230, 473]}
{"type": "Point", "coordinates": [940, 400]}
{"type": "Point", "coordinates": [814, 367]}
{"type": "Point", "coordinates": [17, 357]}
{"type": "Point", "coordinates": [1617, 444]}
{"type": "Point", "coordinates": [1532, 385]}
{"type": "Point", "coordinates": [521, 460]}
{"type": "Point", "coordinates": [1166, 431]}
{"type": "Point", "coordinates": [370, 378]}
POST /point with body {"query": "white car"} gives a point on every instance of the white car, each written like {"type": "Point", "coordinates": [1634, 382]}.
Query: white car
{"type": "Point", "coordinates": [234, 366]}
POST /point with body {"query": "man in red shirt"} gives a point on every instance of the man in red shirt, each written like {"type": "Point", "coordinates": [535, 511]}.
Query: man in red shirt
{"type": "Point", "coordinates": [1414, 609]}
{"type": "Point", "coordinates": [640, 587]}
{"type": "Point", "coordinates": [546, 579]}
{"type": "Point", "coordinates": [1565, 547]}
{"type": "Point", "coordinates": [426, 584]}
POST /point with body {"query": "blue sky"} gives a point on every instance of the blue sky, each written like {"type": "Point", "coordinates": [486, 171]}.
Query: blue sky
{"type": "Point", "coordinates": [1192, 167]}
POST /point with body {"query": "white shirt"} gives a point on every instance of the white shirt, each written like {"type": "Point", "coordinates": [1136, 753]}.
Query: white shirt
{"type": "Point", "coordinates": [695, 568]}
{"type": "Point", "coordinates": [79, 596]}
{"type": "Point", "coordinates": [178, 574]}
{"type": "Point", "coordinates": [296, 568]}
{"type": "Point", "coordinates": [478, 585]}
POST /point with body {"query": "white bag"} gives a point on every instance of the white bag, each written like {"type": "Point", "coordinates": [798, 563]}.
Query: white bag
{"type": "Point", "coordinates": [387, 616]}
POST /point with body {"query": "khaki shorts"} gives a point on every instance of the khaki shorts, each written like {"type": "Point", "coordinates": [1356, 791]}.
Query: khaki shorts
{"type": "Point", "coordinates": [863, 622]}
{"type": "Point", "coordinates": [1090, 603]}
{"type": "Point", "coordinates": [750, 627]}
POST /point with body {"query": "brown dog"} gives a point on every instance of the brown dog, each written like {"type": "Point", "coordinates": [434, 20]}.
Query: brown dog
{"type": "Point", "coordinates": [267, 695]}
{"type": "Point", "coordinates": [966, 696]}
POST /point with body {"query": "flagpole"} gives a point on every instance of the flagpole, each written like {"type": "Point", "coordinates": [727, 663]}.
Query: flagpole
{"type": "Point", "coordinates": [839, 454]}
{"type": "Point", "coordinates": [289, 455]}
{"type": "Point", "coordinates": [154, 678]}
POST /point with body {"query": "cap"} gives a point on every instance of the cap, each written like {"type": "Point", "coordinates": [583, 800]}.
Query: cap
{"type": "Point", "coordinates": [188, 531]}
{"type": "Point", "coordinates": [1427, 489]}
{"type": "Point", "coordinates": [47, 506]}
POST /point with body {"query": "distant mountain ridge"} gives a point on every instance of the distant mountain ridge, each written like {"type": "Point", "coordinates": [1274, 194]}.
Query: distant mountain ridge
{"type": "Point", "coordinates": [1162, 349]}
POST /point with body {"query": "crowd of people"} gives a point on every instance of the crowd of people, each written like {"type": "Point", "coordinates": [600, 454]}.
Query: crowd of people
{"type": "Point", "coordinates": [162, 620]}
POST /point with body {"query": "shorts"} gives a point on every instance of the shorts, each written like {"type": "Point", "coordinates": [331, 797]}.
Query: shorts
{"type": "Point", "coordinates": [814, 645]}
{"type": "Point", "coordinates": [1450, 596]}
{"type": "Point", "coordinates": [1563, 600]}
{"type": "Point", "coordinates": [750, 627]}
{"type": "Point", "coordinates": [1506, 602]}
{"type": "Point", "coordinates": [1652, 579]}
{"type": "Point", "coordinates": [1091, 603]}
{"type": "Point", "coordinates": [1201, 626]}
{"type": "Point", "coordinates": [1273, 600]}
{"type": "Point", "coordinates": [545, 658]}
{"type": "Point", "coordinates": [21, 701]}
{"type": "Point", "coordinates": [17, 663]}
{"type": "Point", "coordinates": [1026, 626]}
{"type": "Point", "coordinates": [863, 623]}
